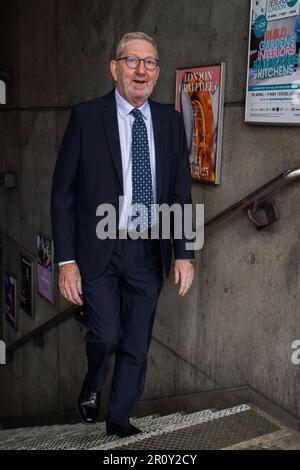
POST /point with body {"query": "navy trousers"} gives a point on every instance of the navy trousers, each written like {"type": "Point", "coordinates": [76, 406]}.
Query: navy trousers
{"type": "Point", "coordinates": [119, 308]}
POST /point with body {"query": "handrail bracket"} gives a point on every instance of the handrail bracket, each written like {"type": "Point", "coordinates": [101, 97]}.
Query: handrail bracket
{"type": "Point", "coordinates": [262, 213]}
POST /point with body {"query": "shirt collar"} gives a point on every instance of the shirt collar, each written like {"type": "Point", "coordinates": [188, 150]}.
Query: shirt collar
{"type": "Point", "coordinates": [124, 107]}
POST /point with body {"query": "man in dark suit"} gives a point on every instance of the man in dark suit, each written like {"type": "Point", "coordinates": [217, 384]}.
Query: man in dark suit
{"type": "Point", "coordinates": [122, 144]}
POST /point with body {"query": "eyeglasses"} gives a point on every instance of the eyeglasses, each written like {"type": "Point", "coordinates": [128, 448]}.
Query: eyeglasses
{"type": "Point", "coordinates": [133, 62]}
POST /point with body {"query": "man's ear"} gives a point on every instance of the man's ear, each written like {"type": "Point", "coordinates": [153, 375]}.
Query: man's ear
{"type": "Point", "coordinates": [158, 72]}
{"type": "Point", "coordinates": [113, 69]}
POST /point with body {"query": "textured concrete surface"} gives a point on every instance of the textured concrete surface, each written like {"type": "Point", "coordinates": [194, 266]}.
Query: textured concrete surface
{"type": "Point", "coordinates": [286, 441]}
{"type": "Point", "coordinates": [252, 311]}
{"type": "Point", "coordinates": [237, 324]}
{"type": "Point", "coordinates": [37, 53]}
{"type": "Point", "coordinates": [9, 38]}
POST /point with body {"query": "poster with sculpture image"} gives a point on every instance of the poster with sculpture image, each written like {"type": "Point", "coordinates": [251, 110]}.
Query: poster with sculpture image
{"type": "Point", "coordinates": [273, 75]}
{"type": "Point", "coordinates": [200, 99]}
{"type": "Point", "coordinates": [10, 299]}
{"type": "Point", "coordinates": [45, 269]}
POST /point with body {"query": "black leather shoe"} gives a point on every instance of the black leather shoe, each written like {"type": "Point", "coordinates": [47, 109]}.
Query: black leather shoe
{"type": "Point", "coordinates": [88, 404]}
{"type": "Point", "coordinates": [115, 429]}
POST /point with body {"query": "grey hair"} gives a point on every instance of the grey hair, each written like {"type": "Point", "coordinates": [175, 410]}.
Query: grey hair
{"type": "Point", "coordinates": [136, 35]}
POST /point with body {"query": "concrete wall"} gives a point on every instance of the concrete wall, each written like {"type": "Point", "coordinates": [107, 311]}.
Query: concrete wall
{"type": "Point", "coordinates": [237, 324]}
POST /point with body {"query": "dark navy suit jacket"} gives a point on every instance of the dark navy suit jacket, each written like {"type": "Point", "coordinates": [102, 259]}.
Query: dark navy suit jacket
{"type": "Point", "coordinates": [88, 172]}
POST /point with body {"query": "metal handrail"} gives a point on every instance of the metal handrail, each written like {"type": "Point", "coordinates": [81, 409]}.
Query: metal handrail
{"type": "Point", "coordinates": [40, 330]}
{"type": "Point", "coordinates": [281, 180]}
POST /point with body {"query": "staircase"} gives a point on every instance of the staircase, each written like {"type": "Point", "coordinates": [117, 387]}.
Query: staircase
{"type": "Point", "coordinates": [241, 427]}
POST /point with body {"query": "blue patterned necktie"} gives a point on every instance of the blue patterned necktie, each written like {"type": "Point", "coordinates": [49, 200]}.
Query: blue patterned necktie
{"type": "Point", "coordinates": [142, 190]}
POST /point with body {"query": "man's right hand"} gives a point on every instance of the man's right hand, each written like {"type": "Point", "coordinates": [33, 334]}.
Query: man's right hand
{"type": "Point", "coordinates": [70, 283]}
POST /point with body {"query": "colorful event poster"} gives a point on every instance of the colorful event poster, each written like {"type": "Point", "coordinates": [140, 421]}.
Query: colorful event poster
{"type": "Point", "coordinates": [273, 80]}
{"type": "Point", "coordinates": [26, 285]}
{"type": "Point", "coordinates": [10, 302]}
{"type": "Point", "coordinates": [45, 267]}
{"type": "Point", "coordinates": [200, 99]}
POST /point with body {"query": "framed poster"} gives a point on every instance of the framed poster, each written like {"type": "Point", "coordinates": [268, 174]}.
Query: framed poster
{"type": "Point", "coordinates": [26, 294]}
{"type": "Point", "coordinates": [200, 99]}
{"type": "Point", "coordinates": [273, 71]}
{"type": "Point", "coordinates": [10, 299]}
{"type": "Point", "coordinates": [45, 268]}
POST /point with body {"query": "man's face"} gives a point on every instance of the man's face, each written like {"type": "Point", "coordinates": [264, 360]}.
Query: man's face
{"type": "Point", "coordinates": [135, 85]}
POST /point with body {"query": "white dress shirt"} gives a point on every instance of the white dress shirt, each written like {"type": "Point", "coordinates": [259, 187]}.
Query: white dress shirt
{"type": "Point", "coordinates": [125, 122]}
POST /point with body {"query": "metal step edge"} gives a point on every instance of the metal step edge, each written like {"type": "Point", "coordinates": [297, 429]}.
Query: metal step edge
{"type": "Point", "coordinates": [78, 427]}
{"type": "Point", "coordinates": [159, 423]}
{"type": "Point", "coordinates": [110, 442]}
{"type": "Point", "coordinates": [117, 442]}
{"type": "Point", "coordinates": [148, 424]}
{"type": "Point", "coordinates": [172, 418]}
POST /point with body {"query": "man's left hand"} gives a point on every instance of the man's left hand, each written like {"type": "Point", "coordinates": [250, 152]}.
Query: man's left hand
{"type": "Point", "coordinates": [184, 272]}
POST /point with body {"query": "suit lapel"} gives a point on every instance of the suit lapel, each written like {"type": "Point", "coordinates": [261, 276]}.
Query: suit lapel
{"type": "Point", "coordinates": [159, 133]}
{"type": "Point", "coordinates": [110, 119]}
